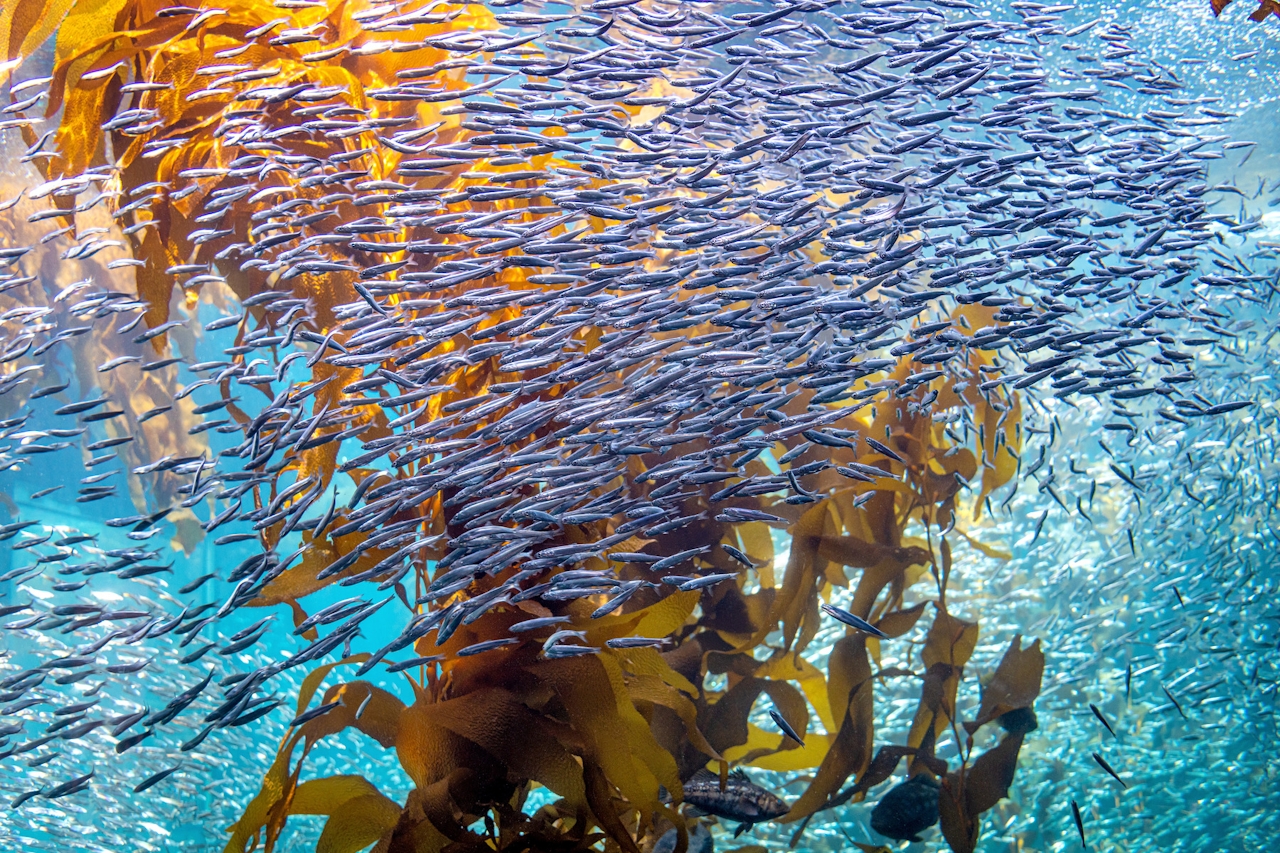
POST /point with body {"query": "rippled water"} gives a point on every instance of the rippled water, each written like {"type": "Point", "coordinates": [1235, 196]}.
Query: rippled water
{"type": "Point", "coordinates": [1153, 600]}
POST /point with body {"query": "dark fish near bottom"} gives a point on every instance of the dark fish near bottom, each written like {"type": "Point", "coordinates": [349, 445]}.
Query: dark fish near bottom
{"type": "Point", "coordinates": [700, 840]}
{"type": "Point", "coordinates": [741, 800]}
{"type": "Point", "coordinates": [907, 809]}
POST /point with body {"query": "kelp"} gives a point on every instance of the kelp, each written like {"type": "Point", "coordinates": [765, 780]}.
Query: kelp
{"type": "Point", "coordinates": [1266, 8]}
{"type": "Point", "coordinates": [164, 430]}
{"type": "Point", "coordinates": [607, 733]}
{"type": "Point", "coordinates": [612, 734]}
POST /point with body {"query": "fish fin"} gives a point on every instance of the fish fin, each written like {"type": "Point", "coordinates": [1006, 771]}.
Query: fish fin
{"type": "Point", "coordinates": [694, 811]}
{"type": "Point", "coordinates": [743, 827]}
{"type": "Point", "coordinates": [703, 774]}
{"type": "Point", "coordinates": [739, 773]}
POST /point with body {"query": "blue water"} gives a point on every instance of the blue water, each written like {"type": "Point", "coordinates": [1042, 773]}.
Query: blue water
{"type": "Point", "coordinates": [1096, 598]}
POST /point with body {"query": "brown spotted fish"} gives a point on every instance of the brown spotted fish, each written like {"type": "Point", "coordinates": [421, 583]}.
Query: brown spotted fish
{"type": "Point", "coordinates": [741, 800]}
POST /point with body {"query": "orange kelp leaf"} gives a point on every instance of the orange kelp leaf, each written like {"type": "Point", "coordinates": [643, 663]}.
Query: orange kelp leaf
{"type": "Point", "coordinates": [1265, 8]}
{"type": "Point", "coordinates": [326, 795]}
{"type": "Point", "coordinates": [25, 26]}
{"type": "Point", "coordinates": [1016, 683]}
{"type": "Point", "coordinates": [668, 615]}
{"type": "Point", "coordinates": [614, 735]}
{"type": "Point", "coordinates": [304, 579]}
{"type": "Point", "coordinates": [380, 720]}
{"type": "Point", "coordinates": [725, 722]}
{"type": "Point", "coordinates": [960, 831]}
{"type": "Point", "coordinates": [79, 136]}
{"type": "Point", "coordinates": [659, 619]}
{"type": "Point", "coordinates": [495, 720]}
{"type": "Point", "coordinates": [852, 551]}
{"type": "Point", "coordinates": [811, 679]}
{"type": "Point", "coordinates": [880, 768]}
{"type": "Point", "coordinates": [804, 547]}
{"type": "Point", "coordinates": [848, 754]}
{"type": "Point", "coordinates": [966, 794]}
{"type": "Point", "coordinates": [278, 781]}
{"type": "Point", "coordinates": [888, 571]}
{"type": "Point", "coordinates": [311, 683]}
{"type": "Point", "coordinates": [441, 807]}
{"type": "Point", "coordinates": [899, 622]}
{"type": "Point", "coordinates": [756, 540]}
{"type": "Point", "coordinates": [799, 585]}
{"type": "Point", "coordinates": [649, 754]}
{"type": "Point", "coordinates": [850, 751]}
{"type": "Point", "coordinates": [950, 640]}
{"type": "Point", "coordinates": [650, 662]}
{"type": "Point", "coordinates": [961, 462]}
{"type": "Point", "coordinates": [947, 648]}
{"type": "Point", "coordinates": [792, 706]}
{"type": "Point", "coordinates": [845, 671]}
{"type": "Point", "coordinates": [258, 811]}
{"type": "Point", "coordinates": [994, 553]}
{"type": "Point", "coordinates": [359, 823]}
{"type": "Point", "coordinates": [300, 616]}
{"type": "Point", "coordinates": [600, 796]}
{"type": "Point", "coordinates": [429, 752]}
{"type": "Point", "coordinates": [988, 780]}
{"type": "Point", "coordinates": [413, 832]}
{"type": "Point", "coordinates": [761, 751]}
{"type": "Point", "coordinates": [648, 688]}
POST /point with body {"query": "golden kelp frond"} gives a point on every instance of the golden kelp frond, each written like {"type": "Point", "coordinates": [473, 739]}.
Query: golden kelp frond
{"type": "Point", "coordinates": [149, 425]}
{"type": "Point", "coordinates": [608, 729]}
{"type": "Point", "coordinates": [343, 247]}
{"type": "Point", "coordinates": [1266, 8]}
{"type": "Point", "coordinates": [974, 788]}
{"type": "Point", "coordinates": [1015, 684]}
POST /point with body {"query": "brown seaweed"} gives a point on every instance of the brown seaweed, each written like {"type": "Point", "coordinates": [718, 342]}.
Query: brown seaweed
{"type": "Point", "coordinates": [606, 733]}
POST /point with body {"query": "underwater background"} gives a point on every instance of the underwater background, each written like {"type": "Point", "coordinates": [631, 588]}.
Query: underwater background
{"type": "Point", "coordinates": [1104, 558]}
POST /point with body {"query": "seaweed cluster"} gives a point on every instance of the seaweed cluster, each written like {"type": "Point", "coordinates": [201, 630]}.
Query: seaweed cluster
{"type": "Point", "coordinates": [527, 320]}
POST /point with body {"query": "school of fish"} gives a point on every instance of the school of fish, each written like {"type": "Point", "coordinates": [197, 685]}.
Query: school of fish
{"type": "Point", "coordinates": [817, 187]}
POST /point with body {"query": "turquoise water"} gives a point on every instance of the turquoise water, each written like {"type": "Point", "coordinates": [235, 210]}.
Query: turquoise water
{"type": "Point", "coordinates": [1157, 606]}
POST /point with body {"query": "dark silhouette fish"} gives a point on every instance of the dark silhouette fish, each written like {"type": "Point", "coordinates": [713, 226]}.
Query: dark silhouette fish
{"type": "Point", "coordinates": [907, 809]}
{"type": "Point", "coordinates": [700, 840]}
{"type": "Point", "coordinates": [1019, 721]}
{"type": "Point", "coordinates": [741, 800]}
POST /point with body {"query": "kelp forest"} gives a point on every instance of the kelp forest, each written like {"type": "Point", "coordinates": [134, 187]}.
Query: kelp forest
{"type": "Point", "coordinates": [583, 426]}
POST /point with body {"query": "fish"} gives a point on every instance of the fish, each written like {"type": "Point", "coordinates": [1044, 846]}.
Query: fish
{"type": "Point", "coordinates": [907, 809]}
{"type": "Point", "coordinates": [694, 252]}
{"type": "Point", "coordinates": [700, 840]}
{"type": "Point", "coordinates": [69, 787]}
{"type": "Point", "coordinates": [740, 800]}
{"type": "Point", "coordinates": [1102, 762]}
{"type": "Point", "coordinates": [853, 621]}
{"type": "Point", "coordinates": [1174, 701]}
{"type": "Point", "coordinates": [1075, 813]}
{"type": "Point", "coordinates": [1102, 719]}
{"type": "Point", "coordinates": [781, 722]}
{"type": "Point", "coordinates": [155, 778]}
